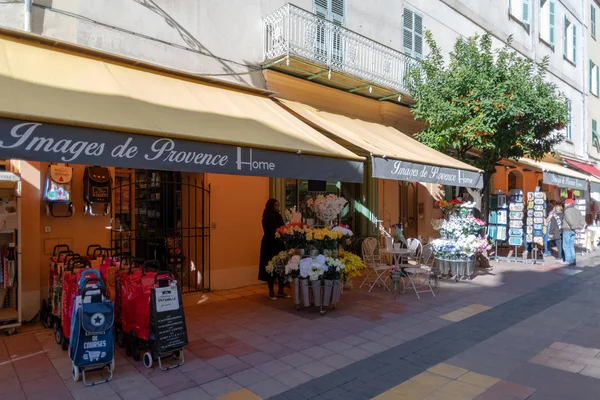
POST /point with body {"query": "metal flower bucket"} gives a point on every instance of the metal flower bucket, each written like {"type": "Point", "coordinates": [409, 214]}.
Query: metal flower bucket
{"type": "Point", "coordinates": [316, 292]}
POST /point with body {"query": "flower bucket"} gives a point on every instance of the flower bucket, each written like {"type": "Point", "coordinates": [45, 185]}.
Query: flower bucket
{"type": "Point", "coordinates": [443, 265]}
{"type": "Point", "coordinates": [296, 288]}
{"type": "Point", "coordinates": [327, 289]}
{"type": "Point", "coordinates": [457, 267]}
{"type": "Point", "coordinates": [337, 291]}
{"type": "Point", "coordinates": [316, 292]}
{"type": "Point", "coordinates": [469, 267]}
{"type": "Point", "coordinates": [305, 292]}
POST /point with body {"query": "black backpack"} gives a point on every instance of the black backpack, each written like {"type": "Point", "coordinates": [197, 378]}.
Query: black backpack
{"type": "Point", "coordinates": [97, 188]}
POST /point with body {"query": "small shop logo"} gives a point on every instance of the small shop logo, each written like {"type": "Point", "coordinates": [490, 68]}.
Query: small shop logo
{"type": "Point", "coordinates": [253, 164]}
{"type": "Point", "coordinates": [98, 319]}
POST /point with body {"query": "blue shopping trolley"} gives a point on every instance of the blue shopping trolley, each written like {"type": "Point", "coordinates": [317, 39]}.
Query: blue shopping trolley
{"type": "Point", "coordinates": [91, 346]}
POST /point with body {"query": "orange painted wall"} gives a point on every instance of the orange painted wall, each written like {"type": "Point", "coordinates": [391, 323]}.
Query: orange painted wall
{"type": "Point", "coordinates": [237, 203]}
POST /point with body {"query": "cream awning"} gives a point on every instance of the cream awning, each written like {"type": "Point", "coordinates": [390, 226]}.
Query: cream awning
{"type": "Point", "coordinates": [558, 175]}
{"type": "Point", "coordinates": [395, 155]}
{"type": "Point", "coordinates": [39, 83]}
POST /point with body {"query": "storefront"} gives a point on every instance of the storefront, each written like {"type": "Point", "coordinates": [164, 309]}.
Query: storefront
{"type": "Point", "coordinates": [406, 173]}
{"type": "Point", "coordinates": [204, 153]}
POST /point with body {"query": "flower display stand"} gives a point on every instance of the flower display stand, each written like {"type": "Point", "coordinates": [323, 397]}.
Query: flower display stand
{"type": "Point", "coordinates": [458, 268]}
{"type": "Point", "coordinates": [322, 293]}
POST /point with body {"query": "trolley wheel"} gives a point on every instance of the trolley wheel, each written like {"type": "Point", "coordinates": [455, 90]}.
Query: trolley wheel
{"type": "Point", "coordinates": [120, 339]}
{"type": "Point", "coordinates": [148, 360]}
{"type": "Point", "coordinates": [11, 331]}
{"type": "Point", "coordinates": [58, 334]}
{"type": "Point", "coordinates": [323, 312]}
{"type": "Point", "coordinates": [64, 344]}
{"type": "Point", "coordinates": [177, 354]}
{"type": "Point", "coordinates": [76, 373]}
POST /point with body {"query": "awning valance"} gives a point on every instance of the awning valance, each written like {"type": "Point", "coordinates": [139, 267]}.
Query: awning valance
{"type": "Point", "coordinates": [557, 175]}
{"type": "Point", "coordinates": [394, 154]}
{"type": "Point", "coordinates": [590, 169]}
{"type": "Point", "coordinates": [172, 123]}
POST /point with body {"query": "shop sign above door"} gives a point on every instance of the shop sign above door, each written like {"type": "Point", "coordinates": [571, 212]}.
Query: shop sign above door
{"type": "Point", "coordinates": [77, 145]}
{"type": "Point", "coordinates": [407, 171]}
{"type": "Point", "coordinates": [563, 181]}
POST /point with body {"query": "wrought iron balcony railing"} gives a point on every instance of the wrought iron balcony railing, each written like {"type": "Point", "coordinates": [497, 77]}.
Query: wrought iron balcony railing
{"type": "Point", "coordinates": [291, 32]}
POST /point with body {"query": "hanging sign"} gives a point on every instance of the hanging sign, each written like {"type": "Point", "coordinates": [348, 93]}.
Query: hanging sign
{"type": "Point", "coordinates": [77, 145]}
{"type": "Point", "coordinates": [563, 181]}
{"type": "Point", "coordinates": [408, 171]}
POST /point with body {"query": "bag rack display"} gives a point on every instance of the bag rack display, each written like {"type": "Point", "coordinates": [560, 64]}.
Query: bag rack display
{"type": "Point", "coordinates": [10, 254]}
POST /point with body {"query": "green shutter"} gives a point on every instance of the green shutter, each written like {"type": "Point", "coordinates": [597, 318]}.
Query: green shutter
{"type": "Point", "coordinates": [408, 31]}
{"type": "Point", "coordinates": [593, 20]}
{"type": "Point", "coordinates": [551, 22]}
{"type": "Point", "coordinates": [591, 72]}
{"type": "Point", "coordinates": [525, 11]}
{"type": "Point", "coordinates": [565, 37]}
{"type": "Point", "coordinates": [594, 126]}
{"type": "Point", "coordinates": [320, 7]}
{"type": "Point", "coordinates": [574, 44]}
{"type": "Point", "coordinates": [338, 11]}
{"type": "Point", "coordinates": [597, 81]}
{"type": "Point", "coordinates": [418, 35]}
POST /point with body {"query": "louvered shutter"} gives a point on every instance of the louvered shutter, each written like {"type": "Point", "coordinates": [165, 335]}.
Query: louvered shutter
{"type": "Point", "coordinates": [337, 17]}
{"type": "Point", "coordinates": [593, 20]}
{"type": "Point", "coordinates": [566, 38]}
{"type": "Point", "coordinates": [320, 7]}
{"type": "Point", "coordinates": [597, 81]}
{"type": "Point", "coordinates": [594, 126]}
{"type": "Point", "coordinates": [338, 12]}
{"type": "Point", "coordinates": [551, 8]}
{"type": "Point", "coordinates": [407, 31]}
{"type": "Point", "coordinates": [574, 44]}
{"type": "Point", "coordinates": [418, 36]}
{"type": "Point", "coordinates": [525, 18]}
{"type": "Point", "coordinates": [591, 73]}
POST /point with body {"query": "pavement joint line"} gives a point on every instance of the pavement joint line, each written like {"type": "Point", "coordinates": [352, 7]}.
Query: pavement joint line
{"type": "Point", "coordinates": [405, 362]}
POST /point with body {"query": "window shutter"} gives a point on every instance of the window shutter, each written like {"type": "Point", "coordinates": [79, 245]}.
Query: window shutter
{"type": "Point", "coordinates": [551, 6]}
{"type": "Point", "coordinates": [597, 81]}
{"type": "Point", "coordinates": [593, 20]}
{"type": "Point", "coordinates": [337, 12]}
{"type": "Point", "coordinates": [407, 31]}
{"type": "Point", "coordinates": [565, 37]}
{"type": "Point", "coordinates": [320, 7]}
{"type": "Point", "coordinates": [525, 11]}
{"type": "Point", "coordinates": [594, 126]}
{"type": "Point", "coordinates": [418, 36]}
{"type": "Point", "coordinates": [591, 72]}
{"type": "Point", "coordinates": [574, 44]}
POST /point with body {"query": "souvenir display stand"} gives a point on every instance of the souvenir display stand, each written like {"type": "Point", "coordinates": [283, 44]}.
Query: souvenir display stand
{"type": "Point", "coordinates": [536, 223]}
{"type": "Point", "coordinates": [580, 236]}
{"type": "Point", "coordinates": [10, 257]}
{"type": "Point", "coordinates": [498, 220]}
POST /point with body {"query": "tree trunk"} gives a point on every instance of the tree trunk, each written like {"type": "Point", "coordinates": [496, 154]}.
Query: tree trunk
{"type": "Point", "coordinates": [485, 195]}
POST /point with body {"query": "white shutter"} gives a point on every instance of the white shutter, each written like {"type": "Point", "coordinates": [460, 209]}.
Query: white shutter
{"type": "Point", "coordinates": [526, 12]}
{"type": "Point", "coordinates": [320, 7]}
{"type": "Point", "coordinates": [338, 12]}
{"type": "Point", "coordinates": [574, 44]}
{"type": "Point", "coordinates": [407, 31]}
{"type": "Point", "coordinates": [418, 36]}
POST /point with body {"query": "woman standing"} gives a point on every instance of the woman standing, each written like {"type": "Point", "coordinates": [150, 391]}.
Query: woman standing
{"type": "Point", "coordinates": [555, 230]}
{"type": "Point", "coordinates": [270, 246]}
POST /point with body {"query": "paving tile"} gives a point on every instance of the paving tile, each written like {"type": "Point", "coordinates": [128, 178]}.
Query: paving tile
{"type": "Point", "coordinates": [293, 377]}
{"type": "Point", "coordinates": [267, 388]}
{"type": "Point", "coordinates": [224, 361]}
{"type": "Point", "coordinates": [256, 358]}
{"type": "Point", "coordinates": [296, 359]}
{"type": "Point", "coordinates": [274, 367]}
{"type": "Point", "coordinates": [461, 389]}
{"type": "Point", "coordinates": [479, 380]}
{"type": "Point", "coordinates": [316, 369]}
{"type": "Point", "coordinates": [355, 353]}
{"type": "Point", "coordinates": [337, 361]}
{"type": "Point", "coordinates": [195, 393]}
{"type": "Point", "coordinates": [593, 372]}
{"type": "Point", "coordinates": [220, 387]}
{"type": "Point", "coordinates": [146, 392]}
{"type": "Point", "coordinates": [205, 374]}
{"type": "Point", "coordinates": [520, 392]}
{"type": "Point", "coordinates": [317, 352]}
{"type": "Point", "coordinates": [447, 370]}
{"type": "Point", "coordinates": [249, 377]}
{"type": "Point", "coordinates": [91, 393]}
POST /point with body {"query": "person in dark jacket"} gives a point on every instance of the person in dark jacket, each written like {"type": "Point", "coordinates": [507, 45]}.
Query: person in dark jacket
{"type": "Point", "coordinates": [555, 230]}
{"type": "Point", "coordinates": [270, 246]}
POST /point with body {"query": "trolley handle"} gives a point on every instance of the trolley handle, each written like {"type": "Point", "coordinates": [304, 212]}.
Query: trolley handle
{"type": "Point", "coordinates": [152, 264]}
{"type": "Point", "coordinates": [110, 251]}
{"type": "Point", "coordinates": [56, 250]}
{"type": "Point", "coordinates": [98, 252]}
{"type": "Point", "coordinates": [89, 289]}
{"type": "Point", "coordinates": [65, 252]}
{"type": "Point", "coordinates": [164, 276]}
{"type": "Point", "coordinates": [90, 247]}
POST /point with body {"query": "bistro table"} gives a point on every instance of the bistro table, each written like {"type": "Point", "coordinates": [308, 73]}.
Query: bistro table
{"type": "Point", "coordinates": [398, 254]}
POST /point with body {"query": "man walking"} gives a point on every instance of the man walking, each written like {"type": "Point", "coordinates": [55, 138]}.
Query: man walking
{"type": "Point", "coordinates": [572, 222]}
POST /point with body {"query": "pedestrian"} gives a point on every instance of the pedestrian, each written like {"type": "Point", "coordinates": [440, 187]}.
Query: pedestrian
{"type": "Point", "coordinates": [555, 231]}
{"type": "Point", "coordinates": [549, 212]}
{"type": "Point", "coordinates": [270, 246]}
{"type": "Point", "coordinates": [572, 222]}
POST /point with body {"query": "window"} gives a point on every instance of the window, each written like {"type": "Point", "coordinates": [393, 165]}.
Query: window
{"type": "Point", "coordinates": [593, 21]}
{"type": "Point", "coordinates": [570, 41]}
{"type": "Point", "coordinates": [593, 79]}
{"type": "Point", "coordinates": [520, 10]}
{"type": "Point", "coordinates": [595, 137]}
{"type": "Point", "coordinates": [547, 12]}
{"type": "Point", "coordinates": [334, 11]}
{"type": "Point", "coordinates": [568, 128]}
{"type": "Point", "coordinates": [412, 34]}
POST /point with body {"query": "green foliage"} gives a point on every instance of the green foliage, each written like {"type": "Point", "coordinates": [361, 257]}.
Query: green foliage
{"type": "Point", "coordinates": [494, 102]}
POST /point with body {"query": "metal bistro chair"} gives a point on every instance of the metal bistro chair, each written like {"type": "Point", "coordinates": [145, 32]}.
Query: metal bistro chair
{"type": "Point", "coordinates": [376, 270]}
{"type": "Point", "coordinates": [423, 278]}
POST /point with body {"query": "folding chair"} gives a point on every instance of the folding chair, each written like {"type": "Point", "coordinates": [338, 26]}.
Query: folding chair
{"type": "Point", "coordinates": [422, 278]}
{"type": "Point", "coordinates": [376, 270]}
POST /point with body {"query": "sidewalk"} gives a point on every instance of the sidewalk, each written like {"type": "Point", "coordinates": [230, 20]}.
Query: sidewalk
{"type": "Point", "coordinates": [519, 330]}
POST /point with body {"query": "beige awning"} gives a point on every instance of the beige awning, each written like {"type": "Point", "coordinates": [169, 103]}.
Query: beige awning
{"type": "Point", "coordinates": [386, 143]}
{"type": "Point", "coordinates": [44, 84]}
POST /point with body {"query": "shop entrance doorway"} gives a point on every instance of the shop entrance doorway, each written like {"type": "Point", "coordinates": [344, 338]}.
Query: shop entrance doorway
{"type": "Point", "coordinates": [164, 216]}
{"type": "Point", "coordinates": [408, 208]}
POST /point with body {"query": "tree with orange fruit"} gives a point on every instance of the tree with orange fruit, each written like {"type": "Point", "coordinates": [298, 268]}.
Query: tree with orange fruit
{"type": "Point", "coordinates": [484, 104]}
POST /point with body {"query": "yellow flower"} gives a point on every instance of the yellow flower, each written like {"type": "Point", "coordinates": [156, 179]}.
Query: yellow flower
{"type": "Point", "coordinates": [309, 236]}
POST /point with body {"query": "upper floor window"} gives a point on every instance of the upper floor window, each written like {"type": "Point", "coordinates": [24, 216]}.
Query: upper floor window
{"type": "Point", "coordinates": [547, 18]}
{"type": "Point", "coordinates": [570, 41]}
{"type": "Point", "coordinates": [412, 33]}
{"type": "Point", "coordinates": [332, 10]}
{"type": "Point", "coordinates": [593, 81]}
{"type": "Point", "coordinates": [593, 21]}
{"type": "Point", "coordinates": [520, 10]}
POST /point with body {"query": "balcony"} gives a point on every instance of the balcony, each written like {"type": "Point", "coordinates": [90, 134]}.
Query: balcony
{"type": "Point", "coordinates": [301, 43]}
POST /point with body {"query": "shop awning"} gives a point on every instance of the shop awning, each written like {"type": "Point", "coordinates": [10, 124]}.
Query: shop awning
{"type": "Point", "coordinates": [590, 169]}
{"type": "Point", "coordinates": [58, 106]}
{"type": "Point", "coordinates": [394, 154]}
{"type": "Point", "coordinates": [557, 175]}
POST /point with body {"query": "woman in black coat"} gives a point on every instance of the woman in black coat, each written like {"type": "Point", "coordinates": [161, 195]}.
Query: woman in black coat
{"type": "Point", "coordinates": [270, 246]}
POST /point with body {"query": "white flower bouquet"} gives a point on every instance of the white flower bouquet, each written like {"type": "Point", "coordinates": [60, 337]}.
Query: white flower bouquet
{"type": "Point", "coordinates": [291, 216]}
{"type": "Point", "coordinates": [326, 208]}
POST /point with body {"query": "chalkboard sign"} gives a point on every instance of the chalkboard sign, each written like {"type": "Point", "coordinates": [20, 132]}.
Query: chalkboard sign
{"type": "Point", "coordinates": [168, 319]}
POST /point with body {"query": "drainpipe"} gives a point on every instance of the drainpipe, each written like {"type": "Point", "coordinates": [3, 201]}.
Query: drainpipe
{"type": "Point", "coordinates": [27, 15]}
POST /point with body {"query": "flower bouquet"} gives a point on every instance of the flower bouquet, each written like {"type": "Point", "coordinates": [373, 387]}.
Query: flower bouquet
{"type": "Point", "coordinates": [291, 216]}
{"type": "Point", "coordinates": [293, 235]}
{"type": "Point", "coordinates": [326, 208]}
{"type": "Point", "coordinates": [353, 266]}
{"type": "Point", "coordinates": [277, 265]}
{"type": "Point", "coordinates": [331, 280]}
{"type": "Point", "coordinates": [324, 238]}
